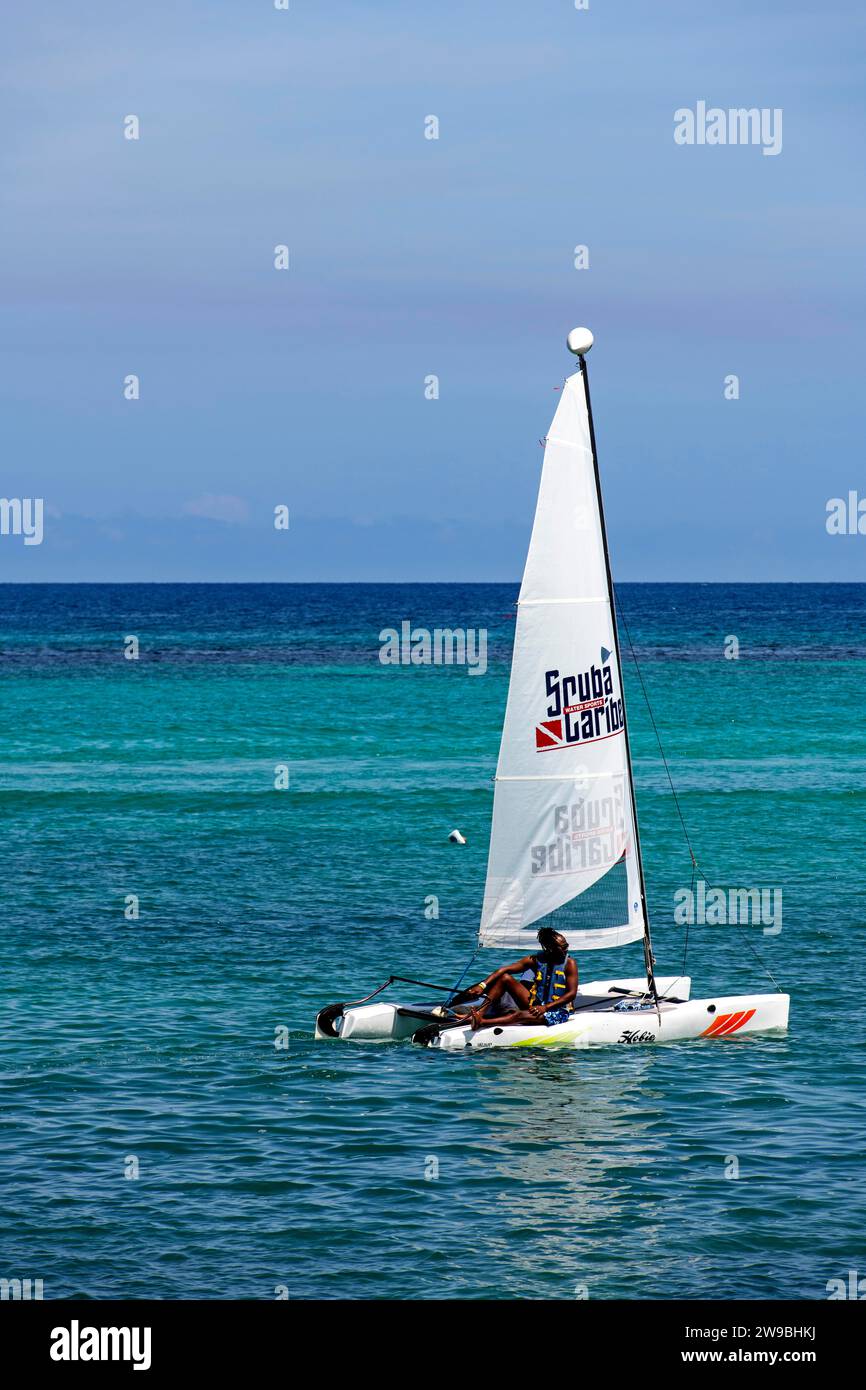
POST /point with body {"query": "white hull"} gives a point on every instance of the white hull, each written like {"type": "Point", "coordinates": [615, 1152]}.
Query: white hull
{"type": "Point", "coordinates": [381, 1022]}
{"type": "Point", "coordinates": [697, 1018]}
{"type": "Point", "coordinates": [718, 1017]}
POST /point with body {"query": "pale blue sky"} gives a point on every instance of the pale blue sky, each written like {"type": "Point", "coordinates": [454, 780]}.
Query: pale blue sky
{"type": "Point", "coordinates": [412, 257]}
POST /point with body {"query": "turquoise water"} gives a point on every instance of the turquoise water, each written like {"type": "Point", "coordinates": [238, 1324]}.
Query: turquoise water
{"type": "Point", "coordinates": [307, 1168]}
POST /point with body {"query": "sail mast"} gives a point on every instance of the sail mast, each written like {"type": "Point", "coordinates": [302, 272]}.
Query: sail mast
{"type": "Point", "coordinates": [649, 958]}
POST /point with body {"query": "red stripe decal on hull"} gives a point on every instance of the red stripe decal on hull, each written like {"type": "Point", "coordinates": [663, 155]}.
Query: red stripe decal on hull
{"type": "Point", "coordinates": [727, 1023]}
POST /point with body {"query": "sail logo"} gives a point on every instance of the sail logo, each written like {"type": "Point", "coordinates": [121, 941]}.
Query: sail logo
{"type": "Point", "coordinates": [587, 835]}
{"type": "Point", "coordinates": [581, 709]}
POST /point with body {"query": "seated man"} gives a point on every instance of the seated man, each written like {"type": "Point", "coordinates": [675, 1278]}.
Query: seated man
{"type": "Point", "coordinates": [549, 998]}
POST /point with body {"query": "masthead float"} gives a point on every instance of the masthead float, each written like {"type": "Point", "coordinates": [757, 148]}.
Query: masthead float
{"type": "Point", "coordinates": [565, 846]}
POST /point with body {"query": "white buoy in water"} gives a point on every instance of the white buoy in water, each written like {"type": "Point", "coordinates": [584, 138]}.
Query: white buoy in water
{"type": "Point", "coordinates": [579, 341]}
{"type": "Point", "coordinates": [456, 838]}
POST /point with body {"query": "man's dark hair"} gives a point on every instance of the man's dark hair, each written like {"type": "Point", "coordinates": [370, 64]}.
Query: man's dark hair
{"type": "Point", "coordinates": [547, 938]}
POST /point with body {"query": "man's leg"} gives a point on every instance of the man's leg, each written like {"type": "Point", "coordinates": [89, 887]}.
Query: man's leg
{"type": "Point", "coordinates": [521, 1016]}
{"type": "Point", "coordinates": [506, 985]}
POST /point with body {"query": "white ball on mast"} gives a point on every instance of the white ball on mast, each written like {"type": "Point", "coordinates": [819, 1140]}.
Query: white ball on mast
{"type": "Point", "coordinates": [579, 341]}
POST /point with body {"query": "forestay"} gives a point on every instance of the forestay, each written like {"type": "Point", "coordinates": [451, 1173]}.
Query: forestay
{"type": "Point", "coordinates": [563, 838]}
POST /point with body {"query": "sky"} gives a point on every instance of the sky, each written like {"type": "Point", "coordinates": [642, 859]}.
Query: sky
{"type": "Point", "coordinates": [412, 257]}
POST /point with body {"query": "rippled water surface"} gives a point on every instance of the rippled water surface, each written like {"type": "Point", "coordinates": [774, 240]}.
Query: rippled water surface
{"type": "Point", "coordinates": [327, 1170]}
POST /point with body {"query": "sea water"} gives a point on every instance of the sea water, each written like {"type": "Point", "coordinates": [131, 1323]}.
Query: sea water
{"type": "Point", "coordinates": [205, 844]}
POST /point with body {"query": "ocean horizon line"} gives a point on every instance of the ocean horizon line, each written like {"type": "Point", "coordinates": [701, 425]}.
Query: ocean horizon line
{"type": "Point", "coordinates": [414, 583]}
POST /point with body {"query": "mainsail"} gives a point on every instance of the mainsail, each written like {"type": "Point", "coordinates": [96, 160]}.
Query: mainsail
{"type": "Point", "coordinates": [564, 849]}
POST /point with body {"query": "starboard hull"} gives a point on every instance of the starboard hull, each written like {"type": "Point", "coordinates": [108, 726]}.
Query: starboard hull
{"type": "Point", "coordinates": [721, 1017]}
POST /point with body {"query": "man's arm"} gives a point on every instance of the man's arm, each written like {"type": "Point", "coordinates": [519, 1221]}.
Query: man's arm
{"type": "Point", "coordinates": [517, 967]}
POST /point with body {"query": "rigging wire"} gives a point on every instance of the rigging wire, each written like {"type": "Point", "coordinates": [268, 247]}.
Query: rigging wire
{"type": "Point", "coordinates": [696, 867]}
{"type": "Point", "coordinates": [655, 730]}
{"type": "Point", "coordinates": [688, 924]}
{"type": "Point", "coordinates": [461, 978]}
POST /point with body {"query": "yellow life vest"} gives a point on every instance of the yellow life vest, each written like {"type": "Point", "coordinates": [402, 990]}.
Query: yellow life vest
{"type": "Point", "coordinates": [549, 983]}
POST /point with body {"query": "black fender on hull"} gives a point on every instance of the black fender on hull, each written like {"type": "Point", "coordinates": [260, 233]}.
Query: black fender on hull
{"type": "Point", "coordinates": [425, 1036]}
{"type": "Point", "coordinates": [326, 1019]}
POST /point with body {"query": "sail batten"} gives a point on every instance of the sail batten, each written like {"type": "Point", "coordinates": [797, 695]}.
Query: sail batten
{"type": "Point", "coordinates": [535, 602]}
{"type": "Point", "coordinates": [541, 777]}
{"type": "Point", "coordinates": [563, 845]}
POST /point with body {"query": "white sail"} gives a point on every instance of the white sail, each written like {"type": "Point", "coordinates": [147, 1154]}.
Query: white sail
{"type": "Point", "coordinates": [563, 811]}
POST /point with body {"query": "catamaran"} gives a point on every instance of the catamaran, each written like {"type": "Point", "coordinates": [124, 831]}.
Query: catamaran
{"type": "Point", "coordinates": [565, 844]}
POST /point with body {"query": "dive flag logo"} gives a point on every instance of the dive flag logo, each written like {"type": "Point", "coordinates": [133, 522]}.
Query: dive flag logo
{"type": "Point", "coordinates": [548, 734]}
{"type": "Point", "coordinates": [580, 708]}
